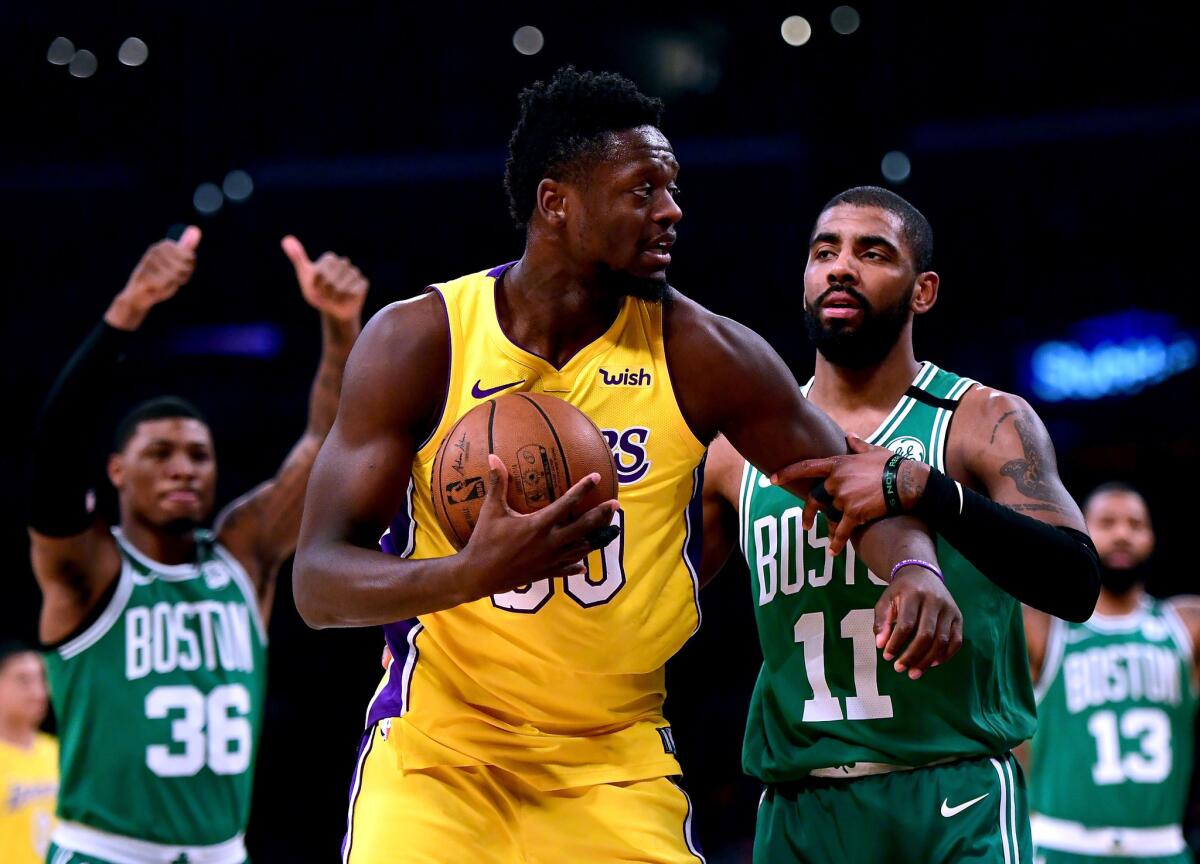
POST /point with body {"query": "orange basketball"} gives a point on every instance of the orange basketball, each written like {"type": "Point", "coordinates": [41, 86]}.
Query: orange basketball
{"type": "Point", "coordinates": [547, 445]}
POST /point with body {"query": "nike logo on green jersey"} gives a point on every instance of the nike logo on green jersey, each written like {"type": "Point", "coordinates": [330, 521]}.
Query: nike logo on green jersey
{"type": "Point", "coordinates": [949, 811]}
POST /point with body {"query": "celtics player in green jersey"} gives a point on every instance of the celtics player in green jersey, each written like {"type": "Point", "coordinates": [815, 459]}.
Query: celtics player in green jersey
{"type": "Point", "coordinates": [861, 763]}
{"type": "Point", "coordinates": [1112, 758]}
{"type": "Point", "coordinates": [157, 628]}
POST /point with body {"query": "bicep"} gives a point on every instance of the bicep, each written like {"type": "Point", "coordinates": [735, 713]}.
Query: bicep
{"type": "Point", "coordinates": [363, 468]}
{"type": "Point", "coordinates": [1007, 450]}
{"type": "Point", "coordinates": [81, 566]}
{"type": "Point", "coordinates": [739, 386]}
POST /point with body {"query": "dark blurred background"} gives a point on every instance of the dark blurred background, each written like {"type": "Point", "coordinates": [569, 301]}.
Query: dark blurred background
{"type": "Point", "coordinates": [1052, 146]}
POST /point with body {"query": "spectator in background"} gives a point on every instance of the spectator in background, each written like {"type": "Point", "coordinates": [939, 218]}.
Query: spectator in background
{"type": "Point", "coordinates": [28, 757]}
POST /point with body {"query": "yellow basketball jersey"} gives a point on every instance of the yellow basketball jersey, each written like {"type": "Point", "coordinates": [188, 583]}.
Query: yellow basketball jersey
{"type": "Point", "coordinates": [562, 681]}
{"type": "Point", "coordinates": [29, 784]}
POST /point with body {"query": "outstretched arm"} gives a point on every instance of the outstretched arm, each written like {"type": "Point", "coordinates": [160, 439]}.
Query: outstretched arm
{"type": "Point", "coordinates": [729, 380]}
{"type": "Point", "coordinates": [1003, 505]}
{"type": "Point", "coordinates": [75, 558]}
{"type": "Point", "coordinates": [261, 527]}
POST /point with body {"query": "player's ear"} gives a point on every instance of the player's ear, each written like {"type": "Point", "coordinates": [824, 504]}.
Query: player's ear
{"type": "Point", "coordinates": [551, 202]}
{"type": "Point", "coordinates": [925, 293]}
{"type": "Point", "coordinates": [116, 470]}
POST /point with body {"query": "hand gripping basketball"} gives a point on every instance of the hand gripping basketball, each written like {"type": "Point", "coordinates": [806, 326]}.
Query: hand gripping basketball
{"type": "Point", "coordinates": [508, 549]}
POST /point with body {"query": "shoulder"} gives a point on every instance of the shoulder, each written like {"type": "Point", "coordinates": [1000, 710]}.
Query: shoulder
{"type": "Point", "coordinates": [692, 327]}
{"type": "Point", "coordinates": [1187, 607]}
{"type": "Point", "coordinates": [982, 403]}
{"type": "Point", "coordinates": [993, 426]}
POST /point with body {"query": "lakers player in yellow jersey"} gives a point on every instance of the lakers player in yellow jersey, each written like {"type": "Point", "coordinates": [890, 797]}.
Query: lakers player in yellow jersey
{"type": "Point", "coordinates": [522, 718]}
{"type": "Point", "coordinates": [28, 758]}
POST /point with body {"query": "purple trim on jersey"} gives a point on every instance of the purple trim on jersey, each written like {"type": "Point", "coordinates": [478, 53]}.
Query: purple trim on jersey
{"type": "Point", "coordinates": [497, 272]}
{"type": "Point", "coordinates": [693, 538]}
{"type": "Point", "coordinates": [390, 700]}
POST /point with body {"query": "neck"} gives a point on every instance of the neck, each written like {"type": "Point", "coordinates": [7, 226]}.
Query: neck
{"type": "Point", "coordinates": [1119, 604]}
{"type": "Point", "coordinates": [876, 387]}
{"type": "Point", "coordinates": [16, 732]}
{"type": "Point", "coordinates": [154, 543]}
{"type": "Point", "coordinates": [549, 308]}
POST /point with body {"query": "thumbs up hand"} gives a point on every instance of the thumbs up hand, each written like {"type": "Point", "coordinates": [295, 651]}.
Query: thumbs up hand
{"type": "Point", "coordinates": [164, 268]}
{"type": "Point", "coordinates": [331, 285]}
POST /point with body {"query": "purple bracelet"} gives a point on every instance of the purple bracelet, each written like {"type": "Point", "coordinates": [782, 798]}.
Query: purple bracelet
{"type": "Point", "coordinates": [916, 562]}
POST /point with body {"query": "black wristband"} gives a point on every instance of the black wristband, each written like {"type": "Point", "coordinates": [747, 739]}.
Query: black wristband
{"type": "Point", "coordinates": [891, 490]}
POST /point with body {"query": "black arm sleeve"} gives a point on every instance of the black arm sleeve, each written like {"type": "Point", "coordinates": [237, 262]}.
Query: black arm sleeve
{"type": "Point", "coordinates": [1051, 568]}
{"type": "Point", "coordinates": [66, 439]}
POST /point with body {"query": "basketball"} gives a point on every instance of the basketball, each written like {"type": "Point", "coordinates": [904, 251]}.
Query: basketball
{"type": "Point", "coordinates": [547, 445]}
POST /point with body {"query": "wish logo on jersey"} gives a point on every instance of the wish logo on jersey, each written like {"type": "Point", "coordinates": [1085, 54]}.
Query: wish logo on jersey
{"type": "Point", "coordinates": [626, 378]}
{"type": "Point", "coordinates": [629, 452]}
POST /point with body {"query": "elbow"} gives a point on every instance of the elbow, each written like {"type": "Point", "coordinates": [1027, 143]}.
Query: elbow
{"type": "Point", "coordinates": [314, 611]}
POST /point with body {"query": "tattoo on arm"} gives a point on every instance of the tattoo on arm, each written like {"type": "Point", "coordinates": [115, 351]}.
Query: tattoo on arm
{"type": "Point", "coordinates": [996, 428]}
{"type": "Point", "coordinates": [1048, 508]}
{"type": "Point", "coordinates": [1029, 473]}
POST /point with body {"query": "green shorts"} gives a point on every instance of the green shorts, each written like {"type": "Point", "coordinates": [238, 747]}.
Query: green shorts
{"type": "Point", "coordinates": [970, 810]}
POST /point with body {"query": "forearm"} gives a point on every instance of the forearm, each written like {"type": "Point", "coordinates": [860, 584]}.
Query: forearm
{"type": "Point", "coordinates": [885, 543]}
{"type": "Point", "coordinates": [337, 338]}
{"type": "Point", "coordinates": [338, 584]}
{"type": "Point", "coordinates": [1051, 568]}
{"type": "Point", "coordinates": [61, 458]}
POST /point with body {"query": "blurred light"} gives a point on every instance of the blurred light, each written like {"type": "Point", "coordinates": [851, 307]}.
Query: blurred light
{"type": "Point", "coordinates": [528, 40]}
{"type": "Point", "coordinates": [61, 51]}
{"type": "Point", "coordinates": [83, 64]}
{"type": "Point", "coordinates": [133, 52]}
{"type": "Point", "coordinates": [1114, 355]}
{"type": "Point", "coordinates": [237, 186]}
{"type": "Point", "coordinates": [681, 65]}
{"type": "Point", "coordinates": [208, 198]}
{"type": "Point", "coordinates": [845, 20]}
{"type": "Point", "coordinates": [229, 340]}
{"type": "Point", "coordinates": [895, 166]}
{"type": "Point", "coordinates": [796, 30]}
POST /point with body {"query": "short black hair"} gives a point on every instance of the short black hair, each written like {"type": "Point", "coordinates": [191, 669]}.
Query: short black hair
{"type": "Point", "coordinates": [916, 230]}
{"type": "Point", "coordinates": [13, 647]}
{"type": "Point", "coordinates": [564, 126]}
{"type": "Point", "coordinates": [158, 408]}
{"type": "Point", "coordinates": [1113, 487]}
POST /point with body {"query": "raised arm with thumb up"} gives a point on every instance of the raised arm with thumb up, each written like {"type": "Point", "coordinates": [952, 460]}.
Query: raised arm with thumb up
{"type": "Point", "coordinates": [166, 266]}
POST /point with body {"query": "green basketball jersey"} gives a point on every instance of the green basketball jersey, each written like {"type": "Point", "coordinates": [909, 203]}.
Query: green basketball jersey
{"type": "Point", "coordinates": [824, 697]}
{"type": "Point", "coordinates": [159, 702]}
{"type": "Point", "coordinates": [1116, 703]}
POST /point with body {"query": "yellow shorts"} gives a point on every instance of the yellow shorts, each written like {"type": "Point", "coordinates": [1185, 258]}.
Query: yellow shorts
{"type": "Point", "coordinates": [484, 815]}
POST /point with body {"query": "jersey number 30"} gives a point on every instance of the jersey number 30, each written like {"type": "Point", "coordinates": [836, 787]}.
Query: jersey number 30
{"type": "Point", "coordinates": [579, 586]}
{"type": "Point", "coordinates": [212, 730]}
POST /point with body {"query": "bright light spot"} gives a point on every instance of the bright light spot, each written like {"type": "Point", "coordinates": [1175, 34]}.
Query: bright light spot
{"type": "Point", "coordinates": [1067, 370]}
{"type": "Point", "coordinates": [207, 199]}
{"type": "Point", "coordinates": [845, 20]}
{"type": "Point", "coordinates": [237, 186]}
{"type": "Point", "coordinates": [796, 30]}
{"type": "Point", "coordinates": [895, 166]}
{"type": "Point", "coordinates": [528, 40]}
{"type": "Point", "coordinates": [61, 51]}
{"type": "Point", "coordinates": [83, 64]}
{"type": "Point", "coordinates": [133, 52]}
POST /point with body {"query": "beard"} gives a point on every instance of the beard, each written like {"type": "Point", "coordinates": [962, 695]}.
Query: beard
{"type": "Point", "coordinates": [622, 283]}
{"type": "Point", "coordinates": [1122, 580]}
{"type": "Point", "coordinates": [862, 346]}
{"type": "Point", "coordinates": [180, 527]}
